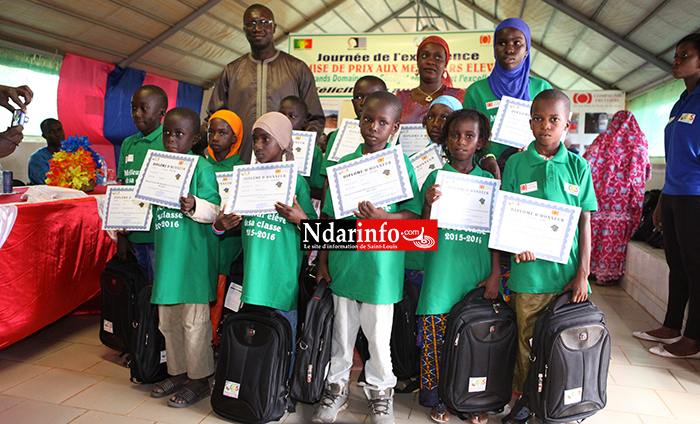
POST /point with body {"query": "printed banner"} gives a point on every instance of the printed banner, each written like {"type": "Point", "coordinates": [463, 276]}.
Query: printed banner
{"type": "Point", "coordinates": [338, 60]}
{"type": "Point", "coordinates": [591, 111]}
{"type": "Point", "coordinates": [369, 234]}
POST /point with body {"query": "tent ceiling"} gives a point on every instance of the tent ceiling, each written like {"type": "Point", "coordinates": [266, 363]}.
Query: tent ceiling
{"type": "Point", "coordinates": [577, 44]}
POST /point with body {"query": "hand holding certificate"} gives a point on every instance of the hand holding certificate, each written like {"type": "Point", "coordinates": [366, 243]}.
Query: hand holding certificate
{"type": "Point", "coordinates": [256, 188]}
{"type": "Point", "coordinates": [303, 150]}
{"type": "Point", "coordinates": [466, 202]}
{"type": "Point", "coordinates": [380, 178]}
{"type": "Point", "coordinates": [224, 180]}
{"type": "Point", "coordinates": [512, 124]}
{"type": "Point", "coordinates": [122, 212]}
{"type": "Point", "coordinates": [523, 223]}
{"type": "Point", "coordinates": [165, 177]}
{"type": "Point", "coordinates": [426, 161]}
{"type": "Point", "coordinates": [349, 138]}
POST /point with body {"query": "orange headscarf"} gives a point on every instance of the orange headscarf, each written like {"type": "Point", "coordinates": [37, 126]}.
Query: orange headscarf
{"type": "Point", "coordinates": [446, 79]}
{"type": "Point", "coordinates": [236, 125]}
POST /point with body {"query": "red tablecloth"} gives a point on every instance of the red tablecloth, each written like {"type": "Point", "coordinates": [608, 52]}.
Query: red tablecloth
{"type": "Point", "coordinates": [50, 264]}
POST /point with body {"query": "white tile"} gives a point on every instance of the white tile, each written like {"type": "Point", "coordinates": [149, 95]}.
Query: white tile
{"type": "Point", "coordinates": [75, 328]}
{"type": "Point", "coordinates": [636, 401]}
{"type": "Point", "coordinates": [13, 373]}
{"type": "Point", "coordinates": [100, 397]}
{"type": "Point", "coordinates": [644, 377]}
{"type": "Point", "coordinates": [95, 417]}
{"type": "Point", "coordinates": [109, 368]}
{"type": "Point", "coordinates": [54, 386]}
{"type": "Point", "coordinates": [158, 409]}
{"type": "Point", "coordinates": [33, 412]}
{"type": "Point", "coordinates": [76, 357]}
{"type": "Point", "coordinates": [642, 356]}
{"type": "Point", "coordinates": [658, 420]}
{"type": "Point", "coordinates": [617, 356]}
{"type": "Point", "coordinates": [31, 349]}
{"type": "Point", "coordinates": [607, 417]}
{"type": "Point", "coordinates": [683, 405]}
{"type": "Point", "coordinates": [690, 380]}
{"type": "Point", "coordinates": [7, 402]}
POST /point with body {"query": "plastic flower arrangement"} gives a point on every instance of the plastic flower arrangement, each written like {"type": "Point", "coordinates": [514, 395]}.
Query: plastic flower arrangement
{"type": "Point", "coordinates": [75, 165]}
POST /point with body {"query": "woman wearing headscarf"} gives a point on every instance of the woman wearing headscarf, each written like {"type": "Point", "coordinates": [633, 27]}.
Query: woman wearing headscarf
{"type": "Point", "coordinates": [620, 166]}
{"type": "Point", "coordinates": [510, 77]}
{"type": "Point", "coordinates": [434, 80]}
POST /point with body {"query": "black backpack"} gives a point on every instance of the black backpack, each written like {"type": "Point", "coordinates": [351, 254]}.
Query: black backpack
{"type": "Point", "coordinates": [405, 355]}
{"type": "Point", "coordinates": [569, 363]}
{"type": "Point", "coordinates": [252, 371]}
{"type": "Point", "coordinates": [121, 281]}
{"type": "Point", "coordinates": [479, 352]}
{"type": "Point", "coordinates": [148, 359]}
{"type": "Point", "coordinates": [646, 231]}
{"type": "Point", "coordinates": [313, 349]}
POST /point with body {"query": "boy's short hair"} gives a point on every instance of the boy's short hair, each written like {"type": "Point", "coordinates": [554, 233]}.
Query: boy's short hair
{"type": "Point", "coordinates": [298, 100]}
{"type": "Point", "coordinates": [185, 113]}
{"type": "Point", "coordinates": [372, 80]}
{"type": "Point", "coordinates": [46, 122]}
{"type": "Point", "coordinates": [259, 6]}
{"type": "Point", "coordinates": [389, 99]}
{"type": "Point", "coordinates": [160, 94]}
{"type": "Point", "coordinates": [553, 95]}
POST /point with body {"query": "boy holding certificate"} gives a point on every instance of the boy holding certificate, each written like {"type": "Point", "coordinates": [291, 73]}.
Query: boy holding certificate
{"type": "Point", "coordinates": [183, 286]}
{"type": "Point", "coordinates": [547, 170]}
{"type": "Point", "coordinates": [366, 284]}
{"type": "Point", "coordinates": [148, 106]}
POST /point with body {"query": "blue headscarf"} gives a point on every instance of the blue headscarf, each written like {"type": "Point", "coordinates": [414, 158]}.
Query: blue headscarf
{"type": "Point", "coordinates": [516, 82]}
{"type": "Point", "coordinates": [448, 101]}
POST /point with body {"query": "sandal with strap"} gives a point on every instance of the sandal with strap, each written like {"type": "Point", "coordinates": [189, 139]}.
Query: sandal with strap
{"type": "Point", "coordinates": [167, 388]}
{"type": "Point", "coordinates": [478, 417]}
{"type": "Point", "coordinates": [440, 414]}
{"type": "Point", "coordinates": [189, 396]}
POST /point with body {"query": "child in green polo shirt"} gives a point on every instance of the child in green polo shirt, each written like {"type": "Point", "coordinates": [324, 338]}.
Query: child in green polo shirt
{"type": "Point", "coordinates": [547, 170]}
{"type": "Point", "coordinates": [366, 284]}
{"type": "Point", "coordinates": [184, 286]}
{"type": "Point", "coordinates": [462, 262]}
{"type": "Point", "coordinates": [148, 106]}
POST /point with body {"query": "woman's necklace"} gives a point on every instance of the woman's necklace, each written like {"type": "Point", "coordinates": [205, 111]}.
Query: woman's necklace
{"type": "Point", "coordinates": [429, 97]}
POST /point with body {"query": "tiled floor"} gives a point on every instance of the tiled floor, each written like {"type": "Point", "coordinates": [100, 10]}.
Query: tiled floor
{"type": "Point", "coordinates": [63, 374]}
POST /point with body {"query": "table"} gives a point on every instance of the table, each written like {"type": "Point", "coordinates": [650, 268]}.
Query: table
{"type": "Point", "coordinates": [50, 264]}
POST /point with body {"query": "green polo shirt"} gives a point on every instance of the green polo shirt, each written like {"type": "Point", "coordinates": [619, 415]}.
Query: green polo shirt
{"type": "Point", "coordinates": [315, 180]}
{"type": "Point", "coordinates": [230, 246]}
{"type": "Point", "coordinates": [131, 157]}
{"type": "Point", "coordinates": [552, 178]}
{"type": "Point", "coordinates": [480, 97]}
{"type": "Point", "coordinates": [366, 275]}
{"type": "Point", "coordinates": [329, 146]}
{"type": "Point", "coordinates": [462, 261]}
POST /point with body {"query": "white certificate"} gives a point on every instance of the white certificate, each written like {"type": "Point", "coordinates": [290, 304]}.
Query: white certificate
{"type": "Point", "coordinates": [349, 138]}
{"type": "Point", "coordinates": [304, 143]}
{"type": "Point", "coordinates": [224, 180]}
{"type": "Point", "coordinates": [512, 124]}
{"type": "Point", "coordinates": [466, 203]}
{"type": "Point", "coordinates": [123, 212]}
{"type": "Point", "coordinates": [380, 178]}
{"type": "Point", "coordinates": [165, 177]}
{"type": "Point", "coordinates": [426, 161]}
{"type": "Point", "coordinates": [542, 227]}
{"type": "Point", "coordinates": [413, 138]}
{"type": "Point", "coordinates": [256, 188]}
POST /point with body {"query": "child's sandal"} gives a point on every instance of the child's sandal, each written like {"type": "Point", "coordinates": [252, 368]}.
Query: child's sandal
{"type": "Point", "coordinates": [440, 414]}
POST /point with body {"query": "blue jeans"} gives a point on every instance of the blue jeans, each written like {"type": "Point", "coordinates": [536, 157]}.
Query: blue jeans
{"type": "Point", "coordinates": [292, 317]}
{"type": "Point", "coordinates": [146, 256]}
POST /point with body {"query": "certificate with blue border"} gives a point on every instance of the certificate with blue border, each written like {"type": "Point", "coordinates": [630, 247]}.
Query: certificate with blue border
{"type": "Point", "coordinates": [256, 188]}
{"type": "Point", "coordinates": [413, 138]}
{"type": "Point", "coordinates": [224, 180]}
{"type": "Point", "coordinates": [123, 212]}
{"type": "Point", "coordinates": [523, 223]}
{"type": "Point", "coordinates": [466, 203]}
{"type": "Point", "coordinates": [304, 142]}
{"type": "Point", "coordinates": [165, 177]}
{"type": "Point", "coordinates": [426, 161]}
{"type": "Point", "coordinates": [380, 178]}
{"type": "Point", "coordinates": [349, 138]}
{"type": "Point", "coordinates": [512, 124]}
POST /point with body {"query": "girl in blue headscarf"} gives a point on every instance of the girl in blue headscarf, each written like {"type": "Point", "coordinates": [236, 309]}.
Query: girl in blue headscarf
{"type": "Point", "coordinates": [510, 77]}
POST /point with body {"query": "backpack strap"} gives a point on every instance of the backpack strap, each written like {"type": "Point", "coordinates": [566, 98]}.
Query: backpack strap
{"type": "Point", "coordinates": [519, 405]}
{"type": "Point", "coordinates": [561, 300]}
{"type": "Point", "coordinates": [479, 292]}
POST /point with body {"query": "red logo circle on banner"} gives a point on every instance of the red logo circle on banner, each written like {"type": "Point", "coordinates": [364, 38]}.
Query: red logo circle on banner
{"type": "Point", "coordinates": [485, 39]}
{"type": "Point", "coordinates": [582, 98]}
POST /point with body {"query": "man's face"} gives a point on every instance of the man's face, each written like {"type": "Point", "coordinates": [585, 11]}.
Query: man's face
{"type": "Point", "coordinates": [53, 133]}
{"type": "Point", "coordinates": [259, 28]}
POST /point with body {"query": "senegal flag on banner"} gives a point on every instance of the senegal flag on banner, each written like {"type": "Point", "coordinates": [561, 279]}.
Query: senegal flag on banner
{"type": "Point", "coordinates": [303, 43]}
